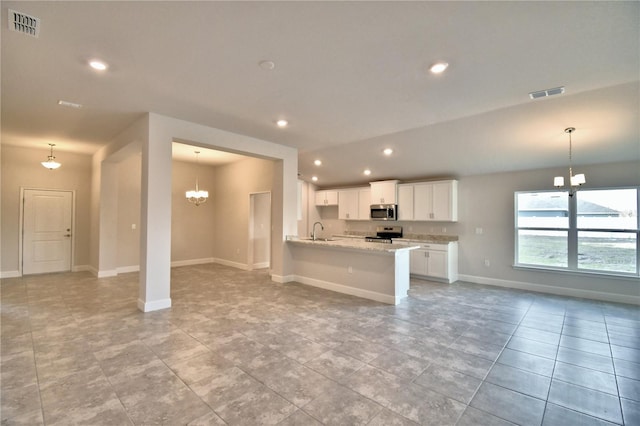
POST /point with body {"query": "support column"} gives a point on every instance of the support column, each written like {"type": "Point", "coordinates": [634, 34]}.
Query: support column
{"type": "Point", "coordinates": [155, 225]}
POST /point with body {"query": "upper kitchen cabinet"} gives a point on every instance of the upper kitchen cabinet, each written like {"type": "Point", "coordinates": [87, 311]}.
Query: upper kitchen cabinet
{"type": "Point", "coordinates": [353, 203]}
{"type": "Point", "coordinates": [384, 192]}
{"type": "Point", "coordinates": [348, 204]}
{"type": "Point", "coordinates": [326, 198]}
{"type": "Point", "coordinates": [364, 203]}
{"type": "Point", "coordinates": [405, 201]}
{"type": "Point", "coordinates": [435, 201]}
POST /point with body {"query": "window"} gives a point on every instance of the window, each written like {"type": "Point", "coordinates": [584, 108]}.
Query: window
{"type": "Point", "coordinates": [592, 231]}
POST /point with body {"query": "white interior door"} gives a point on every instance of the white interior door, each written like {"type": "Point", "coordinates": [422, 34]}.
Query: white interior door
{"type": "Point", "coordinates": [46, 237]}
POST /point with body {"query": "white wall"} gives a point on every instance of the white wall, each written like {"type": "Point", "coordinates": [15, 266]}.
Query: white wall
{"type": "Point", "coordinates": [260, 225]}
{"type": "Point", "coordinates": [21, 168]}
{"type": "Point", "coordinates": [128, 253]}
{"type": "Point", "coordinates": [234, 183]}
{"type": "Point", "coordinates": [192, 227]}
{"type": "Point", "coordinates": [487, 202]}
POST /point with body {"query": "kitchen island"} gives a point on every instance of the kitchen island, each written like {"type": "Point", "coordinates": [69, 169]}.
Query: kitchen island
{"type": "Point", "coordinates": [352, 266]}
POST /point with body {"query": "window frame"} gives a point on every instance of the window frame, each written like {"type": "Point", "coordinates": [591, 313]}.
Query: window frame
{"type": "Point", "coordinates": [572, 236]}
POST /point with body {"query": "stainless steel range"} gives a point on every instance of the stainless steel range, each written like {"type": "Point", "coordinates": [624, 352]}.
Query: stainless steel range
{"type": "Point", "coordinates": [384, 234]}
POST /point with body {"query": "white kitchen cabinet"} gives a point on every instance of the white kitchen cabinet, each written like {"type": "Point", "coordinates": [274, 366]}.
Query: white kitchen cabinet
{"type": "Point", "coordinates": [364, 203]}
{"type": "Point", "coordinates": [435, 201]}
{"type": "Point", "coordinates": [353, 203]}
{"type": "Point", "coordinates": [436, 261]}
{"type": "Point", "coordinates": [326, 198]}
{"type": "Point", "coordinates": [405, 202]}
{"type": "Point", "coordinates": [384, 192]}
{"type": "Point", "coordinates": [348, 208]}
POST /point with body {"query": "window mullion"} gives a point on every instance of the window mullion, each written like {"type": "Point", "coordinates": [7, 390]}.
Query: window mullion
{"type": "Point", "coordinates": [572, 243]}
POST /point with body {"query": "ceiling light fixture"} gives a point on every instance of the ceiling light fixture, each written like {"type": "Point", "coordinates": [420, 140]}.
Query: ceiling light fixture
{"type": "Point", "coordinates": [438, 68]}
{"type": "Point", "coordinates": [367, 172]}
{"type": "Point", "coordinates": [69, 104]}
{"type": "Point", "coordinates": [282, 123]}
{"type": "Point", "coordinates": [197, 196]}
{"type": "Point", "coordinates": [574, 181]}
{"type": "Point", "coordinates": [51, 162]}
{"type": "Point", "coordinates": [314, 178]}
{"type": "Point", "coordinates": [387, 151]}
{"type": "Point", "coordinates": [267, 65]}
{"type": "Point", "coordinates": [98, 65]}
{"type": "Point", "coordinates": [318, 162]}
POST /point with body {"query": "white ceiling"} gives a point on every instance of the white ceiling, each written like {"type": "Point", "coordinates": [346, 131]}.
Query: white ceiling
{"type": "Point", "coordinates": [351, 78]}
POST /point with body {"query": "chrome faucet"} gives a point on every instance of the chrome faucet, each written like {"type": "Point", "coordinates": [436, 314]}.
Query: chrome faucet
{"type": "Point", "coordinates": [313, 232]}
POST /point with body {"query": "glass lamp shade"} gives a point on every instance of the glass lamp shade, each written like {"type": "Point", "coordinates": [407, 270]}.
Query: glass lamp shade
{"type": "Point", "coordinates": [197, 197]}
{"type": "Point", "coordinates": [51, 164]}
{"type": "Point", "coordinates": [578, 179]}
{"type": "Point", "coordinates": [558, 181]}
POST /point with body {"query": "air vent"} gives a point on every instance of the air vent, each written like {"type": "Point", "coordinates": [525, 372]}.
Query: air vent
{"type": "Point", "coordinates": [23, 23]}
{"type": "Point", "coordinates": [547, 92]}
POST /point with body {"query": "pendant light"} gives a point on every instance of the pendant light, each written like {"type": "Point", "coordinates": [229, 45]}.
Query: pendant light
{"type": "Point", "coordinates": [197, 196]}
{"type": "Point", "coordinates": [51, 162]}
{"type": "Point", "coordinates": [574, 180]}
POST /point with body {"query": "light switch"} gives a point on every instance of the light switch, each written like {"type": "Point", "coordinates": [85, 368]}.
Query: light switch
{"type": "Point", "coordinates": [133, 226]}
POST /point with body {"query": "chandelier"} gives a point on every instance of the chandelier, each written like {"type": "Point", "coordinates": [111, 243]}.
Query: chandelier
{"type": "Point", "coordinates": [51, 162]}
{"type": "Point", "coordinates": [574, 180]}
{"type": "Point", "coordinates": [197, 196]}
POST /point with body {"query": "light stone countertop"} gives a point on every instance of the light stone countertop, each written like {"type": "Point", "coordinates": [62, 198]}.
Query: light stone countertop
{"type": "Point", "coordinates": [408, 237]}
{"type": "Point", "coordinates": [431, 239]}
{"type": "Point", "coordinates": [350, 243]}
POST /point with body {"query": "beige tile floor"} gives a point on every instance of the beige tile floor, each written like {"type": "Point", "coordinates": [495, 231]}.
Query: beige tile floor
{"type": "Point", "coordinates": [236, 348]}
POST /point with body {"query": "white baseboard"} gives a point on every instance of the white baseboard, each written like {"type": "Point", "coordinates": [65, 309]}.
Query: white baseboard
{"type": "Point", "coordinates": [562, 291]}
{"type": "Point", "coordinates": [155, 305]}
{"type": "Point", "coordinates": [190, 262]}
{"type": "Point", "coordinates": [127, 269]}
{"type": "Point", "coordinates": [106, 273]}
{"type": "Point", "coordinates": [238, 265]}
{"type": "Point", "coordinates": [339, 288]}
{"type": "Point", "coordinates": [10, 274]}
{"type": "Point", "coordinates": [261, 265]}
{"type": "Point", "coordinates": [282, 278]}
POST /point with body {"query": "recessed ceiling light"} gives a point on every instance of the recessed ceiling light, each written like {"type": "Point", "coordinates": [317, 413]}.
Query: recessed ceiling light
{"type": "Point", "coordinates": [314, 178]}
{"type": "Point", "coordinates": [69, 104]}
{"type": "Point", "coordinates": [267, 65]}
{"type": "Point", "coordinates": [98, 65]}
{"type": "Point", "coordinates": [282, 123]}
{"type": "Point", "coordinates": [367, 172]}
{"type": "Point", "coordinates": [387, 151]}
{"type": "Point", "coordinates": [317, 163]}
{"type": "Point", "coordinates": [439, 67]}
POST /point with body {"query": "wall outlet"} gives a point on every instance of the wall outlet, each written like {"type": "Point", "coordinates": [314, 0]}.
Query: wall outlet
{"type": "Point", "coordinates": [237, 251]}
{"type": "Point", "coordinates": [479, 231]}
{"type": "Point", "coordinates": [487, 263]}
{"type": "Point", "coordinates": [410, 228]}
{"type": "Point", "coordinates": [133, 226]}
{"type": "Point", "coordinates": [444, 229]}
{"type": "Point", "coordinates": [350, 270]}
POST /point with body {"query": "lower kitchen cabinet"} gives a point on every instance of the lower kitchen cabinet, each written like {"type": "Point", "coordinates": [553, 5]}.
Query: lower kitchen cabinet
{"type": "Point", "coordinates": [438, 261]}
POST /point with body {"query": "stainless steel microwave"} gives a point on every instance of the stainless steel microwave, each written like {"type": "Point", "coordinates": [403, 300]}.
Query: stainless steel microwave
{"type": "Point", "coordinates": [384, 212]}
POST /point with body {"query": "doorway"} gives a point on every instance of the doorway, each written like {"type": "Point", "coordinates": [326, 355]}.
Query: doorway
{"type": "Point", "coordinates": [259, 230]}
{"type": "Point", "coordinates": [47, 218]}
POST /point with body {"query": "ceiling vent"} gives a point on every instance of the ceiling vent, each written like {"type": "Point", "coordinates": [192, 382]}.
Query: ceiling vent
{"type": "Point", "coordinates": [23, 23]}
{"type": "Point", "coordinates": [547, 92]}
